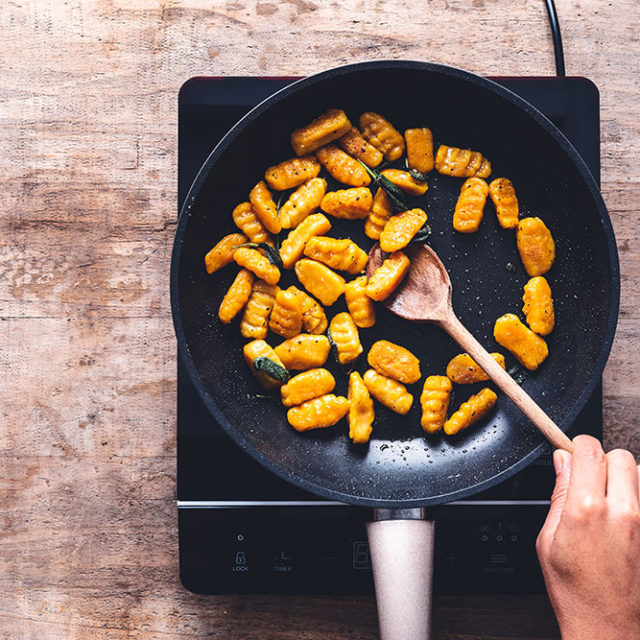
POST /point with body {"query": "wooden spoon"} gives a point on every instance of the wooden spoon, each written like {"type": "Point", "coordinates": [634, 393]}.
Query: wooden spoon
{"type": "Point", "coordinates": [425, 295]}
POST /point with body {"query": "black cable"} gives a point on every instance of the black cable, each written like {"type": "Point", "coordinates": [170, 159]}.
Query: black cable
{"type": "Point", "coordinates": [557, 38]}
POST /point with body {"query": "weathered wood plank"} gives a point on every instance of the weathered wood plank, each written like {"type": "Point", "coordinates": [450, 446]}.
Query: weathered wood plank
{"type": "Point", "coordinates": [88, 104]}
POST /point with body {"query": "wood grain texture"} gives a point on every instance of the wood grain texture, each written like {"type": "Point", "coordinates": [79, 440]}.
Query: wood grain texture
{"type": "Point", "coordinates": [88, 100]}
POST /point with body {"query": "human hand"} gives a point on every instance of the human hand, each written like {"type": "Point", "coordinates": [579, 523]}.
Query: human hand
{"type": "Point", "coordinates": [589, 546]}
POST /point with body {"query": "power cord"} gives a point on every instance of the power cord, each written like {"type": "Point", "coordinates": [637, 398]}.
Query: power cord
{"type": "Point", "coordinates": [557, 38]}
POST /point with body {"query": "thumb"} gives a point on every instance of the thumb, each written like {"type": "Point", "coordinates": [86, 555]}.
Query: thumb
{"type": "Point", "coordinates": [562, 463]}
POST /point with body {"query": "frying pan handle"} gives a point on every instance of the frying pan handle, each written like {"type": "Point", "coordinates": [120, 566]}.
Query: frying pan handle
{"type": "Point", "coordinates": [401, 548]}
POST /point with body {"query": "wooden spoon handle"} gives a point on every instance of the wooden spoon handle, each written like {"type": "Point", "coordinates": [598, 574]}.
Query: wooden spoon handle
{"type": "Point", "coordinates": [522, 400]}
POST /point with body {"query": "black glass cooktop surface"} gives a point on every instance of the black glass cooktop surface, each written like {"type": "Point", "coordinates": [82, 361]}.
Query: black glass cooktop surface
{"type": "Point", "coordinates": [244, 530]}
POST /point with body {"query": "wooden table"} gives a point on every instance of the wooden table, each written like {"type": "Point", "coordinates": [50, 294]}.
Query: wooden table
{"type": "Point", "coordinates": [88, 97]}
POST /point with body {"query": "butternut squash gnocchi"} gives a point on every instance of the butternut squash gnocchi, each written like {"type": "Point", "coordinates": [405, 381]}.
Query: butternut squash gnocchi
{"type": "Point", "coordinates": [343, 333]}
{"type": "Point", "coordinates": [474, 409]}
{"type": "Point", "coordinates": [529, 348]}
{"type": "Point", "coordinates": [470, 206]}
{"type": "Point", "coordinates": [341, 254]}
{"type": "Point", "coordinates": [306, 386]}
{"type": "Point", "coordinates": [434, 399]}
{"type": "Point", "coordinates": [330, 146]}
{"type": "Point", "coordinates": [394, 361]}
{"type": "Point", "coordinates": [536, 246]}
{"type": "Point", "coordinates": [361, 413]}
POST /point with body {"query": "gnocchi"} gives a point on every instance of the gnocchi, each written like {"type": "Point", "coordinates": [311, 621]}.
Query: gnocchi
{"type": "Point", "coordinates": [254, 261]}
{"type": "Point", "coordinates": [394, 361]}
{"type": "Point", "coordinates": [320, 281]}
{"type": "Point", "coordinates": [246, 220]}
{"type": "Point", "coordinates": [389, 392]}
{"type": "Point", "coordinates": [536, 246]}
{"type": "Point", "coordinates": [343, 332]}
{"type": "Point", "coordinates": [538, 306]}
{"type": "Point", "coordinates": [434, 400]}
{"type": "Point", "coordinates": [326, 128]}
{"type": "Point", "coordinates": [529, 348]}
{"type": "Point", "coordinates": [469, 209]}
{"type": "Point", "coordinates": [269, 379]}
{"type": "Point", "coordinates": [405, 181]}
{"type": "Point", "coordinates": [419, 144]}
{"type": "Point", "coordinates": [361, 412]}
{"type": "Point", "coordinates": [304, 351]}
{"type": "Point", "coordinates": [504, 199]}
{"type": "Point", "coordinates": [359, 303]}
{"type": "Point", "coordinates": [314, 319]}
{"type": "Point", "coordinates": [379, 132]}
{"type": "Point", "coordinates": [236, 296]}
{"type": "Point", "coordinates": [254, 323]}
{"type": "Point", "coordinates": [303, 201]}
{"type": "Point", "coordinates": [286, 315]}
{"type": "Point", "coordinates": [292, 173]}
{"type": "Point", "coordinates": [381, 211]}
{"type": "Point", "coordinates": [474, 409]}
{"type": "Point", "coordinates": [341, 254]}
{"type": "Point", "coordinates": [387, 276]}
{"type": "Point", "coordinates": [318, 413]}
{"type": "Point", "coordinates": [463, 369]}
{"type": "Point", "coordinates": [355, 145]}
{"type": "Point", "coordinates": [400, 229]}
{"type": "Point", "coordinates": [307, 386]}
{"type": "Point", "coordinates": [265, 208]}
{"type": "Point", "coordinates": [292, 248]}
{"type": "Point", "coordinates": [342, 166]}
{"type": "Point", "coordinates": [222, 253]}
{"type": "Point", "coordinates": [349, 204]}
{"type": "Point", "coordinates": [461, 163]}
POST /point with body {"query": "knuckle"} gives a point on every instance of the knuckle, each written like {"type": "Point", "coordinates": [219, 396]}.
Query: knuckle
{"type": "Point", "coordinates": [587, 509]}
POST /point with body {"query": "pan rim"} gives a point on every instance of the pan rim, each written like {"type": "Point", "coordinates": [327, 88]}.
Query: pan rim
{"type": "Point", "coordinates": [531, 111]}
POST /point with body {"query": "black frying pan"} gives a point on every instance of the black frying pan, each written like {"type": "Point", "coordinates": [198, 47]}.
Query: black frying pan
{"type": "Point", "coordinates": [401, 467]}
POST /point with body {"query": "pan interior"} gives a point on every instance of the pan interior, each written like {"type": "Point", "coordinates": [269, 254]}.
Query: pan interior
{"type": "Point", "coordinates": [401, 464]}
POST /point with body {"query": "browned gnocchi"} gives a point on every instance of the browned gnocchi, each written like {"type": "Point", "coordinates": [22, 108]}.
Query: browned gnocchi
{"type": "Point", "coordinates": [330, 146]}
{"type": "Point", "coordinates": [349, 204]}
{"type": "Point", "coordinates": [305, 351]}
{"type": "Point", "coordinates": [536, 246]}
{"type": "Point", "coordinates": [236, 297]}
{"type": "Point", "coordinates": [419, 143]}
{"type": "Point", "coordinates": [338, 253]}
{"type": "Point", "coordinates": [307, 385]}
{"type": "Point", "coordinates": [401, 229]}
{"type": "Point", "coordinates": [342, 166]}
{"type": "Point", "coordinates": [538, 306]}
{"type": "Point", "coordinates": [474, 409]}
{"type": "Point", "coordinates": [355, 145]}
{"type": "Point", "coordinates": [326, 128]}
{"type": "Point", "coordinates": [388, 276]}
{"type": "Point", "coordinates": [529, 348]}
{"type": "Point", "coordinates": [304, 200]}
{"type": "Point", "coordinates": [434, 399]}
{"type": "Point", "coordinates": [382, 135]}
{"type": "Point", "coordinates": [361, 412]}
{"type": "Point", "coordinates": [318, 413]}
{"type": "Point", "coordinates": [292, 173]}
{"type": "Point", "coordinates": [344, 335]}
{"type": "Point", "coordinates": [394, 361]}
{"type": "Point", "coordinates": [470, 206]}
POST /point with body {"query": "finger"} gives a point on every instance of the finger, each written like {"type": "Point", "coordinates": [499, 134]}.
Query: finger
{"type": "Point", "coordinates": [622, 479]}
{"type": "Point", "coordinates": [588, 481]}
{"type": "Point", "coordinates": [562, 463]}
